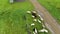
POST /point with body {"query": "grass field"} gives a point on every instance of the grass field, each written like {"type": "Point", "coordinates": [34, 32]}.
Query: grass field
{"type": "Point", "coordinates": [5, 5]}
{"type": "Point", "coordinates": [11, 17]}
{"type": "Point", "coordinates": [14, 17]}
{"type": "Point", "coordinates": [53, 6]}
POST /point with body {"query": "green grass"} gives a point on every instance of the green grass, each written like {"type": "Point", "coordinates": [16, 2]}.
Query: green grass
{"type": "Point", "coordinates": [14, 17]}
{"type": "Point", "coordinates": [53, 6]}
{"type": "Point", "coordinates": [5, 5]}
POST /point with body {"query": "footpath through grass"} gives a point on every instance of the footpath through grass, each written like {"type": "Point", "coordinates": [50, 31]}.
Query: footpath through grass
{"type": "Point", "coordinates": [53, 6]}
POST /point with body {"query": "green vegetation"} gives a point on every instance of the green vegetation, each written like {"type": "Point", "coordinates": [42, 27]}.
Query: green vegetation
{"type": "Point", "coordinates": [53, 6]}
{"type": "Point", "coordinates": [14, 17]}
{"type": "Point", "coordinates": [5, 5]}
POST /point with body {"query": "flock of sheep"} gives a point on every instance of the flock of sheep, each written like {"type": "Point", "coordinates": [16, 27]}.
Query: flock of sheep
{"type": "Point", "coordinates": [34, 15]}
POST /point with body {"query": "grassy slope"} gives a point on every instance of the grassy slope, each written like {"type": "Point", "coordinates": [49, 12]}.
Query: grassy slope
{"type": "Point", "coordinates": [53, 6]}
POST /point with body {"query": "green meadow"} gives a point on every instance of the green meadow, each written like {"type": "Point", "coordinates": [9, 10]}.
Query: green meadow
{"type": "Point", "coordinates": [14, 18]}
{"type": "Point", "coordinates": [53, 6]}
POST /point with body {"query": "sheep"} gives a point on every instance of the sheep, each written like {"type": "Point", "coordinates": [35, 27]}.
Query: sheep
{"type": "Point", "coordinates": [39, 21]}
{"type": "Point", "coordinates": [32, 24]}
{"type": "Point", "coordinates": [35, 20]}
{"type": "Point", "coordinates": [34, 13]}
{"type": "Point", "coordinates": [35, 31]}
{"type": "Point", "coordinates": [33, 16]}
{"type": "Point", "coordinates": [41, 17]}
{"type": "Point", "coordinates": [28, 12]}
{"type": "Point", "coordinates": [43, 30]}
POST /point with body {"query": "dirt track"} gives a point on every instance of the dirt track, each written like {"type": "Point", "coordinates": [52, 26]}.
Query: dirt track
{"type": "Point", "coordinates": [49, 21]}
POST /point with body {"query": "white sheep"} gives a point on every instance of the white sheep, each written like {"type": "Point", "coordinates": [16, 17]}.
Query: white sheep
{"type": "Point", "coordinates": [29, 12]}
{"type": "Point", "coordinates": [40, 17]}
{"type": "Point", "coordinates": [33, 16]}
{"type": "Point", "coordinates": [43, 30]}
{"type": "Point", "coordinates": [35, 20]}
{"type": "Point", "coordinates": [43, 25]}
{"type": "Point", "coordinates": [35, 32]}
{"type": "Point", "coordinates": [34, 11]}
{"type": "Point", "coordinates": [32, 24]}
{"type": "Point", "coordinates": [39, 21]}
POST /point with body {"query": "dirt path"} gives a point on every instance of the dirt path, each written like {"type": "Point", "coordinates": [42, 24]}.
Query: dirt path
{"type": "Point", "coordinates": [49, 21]}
